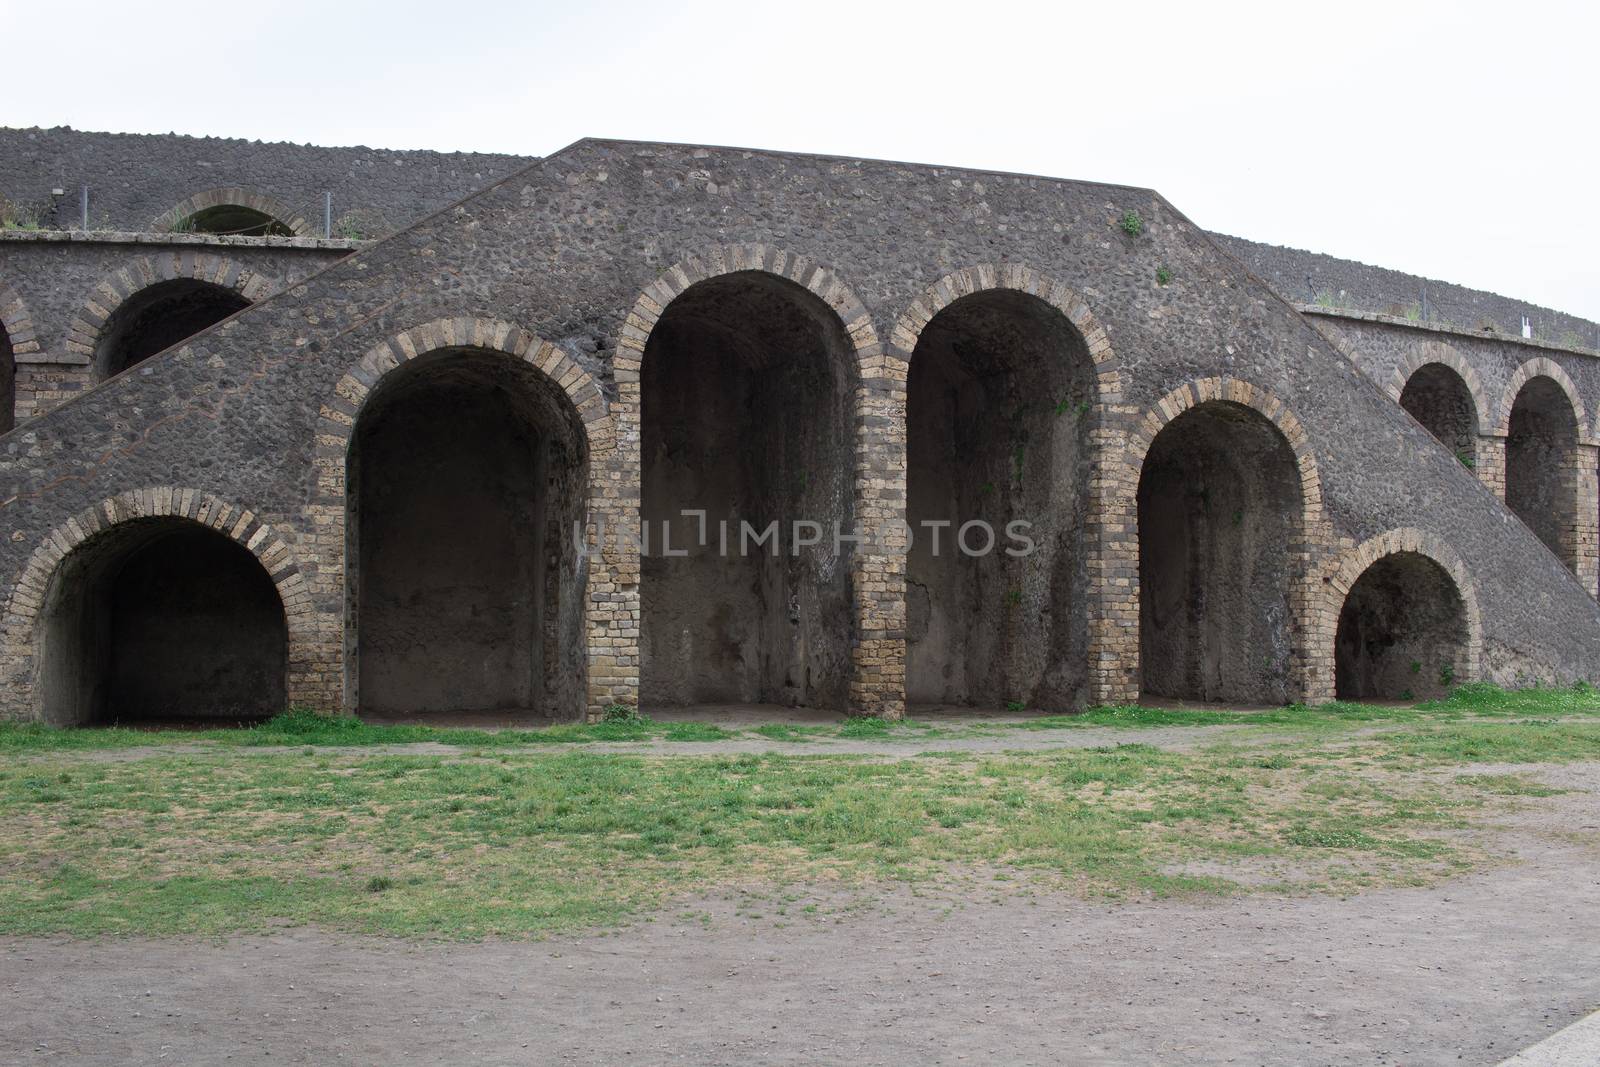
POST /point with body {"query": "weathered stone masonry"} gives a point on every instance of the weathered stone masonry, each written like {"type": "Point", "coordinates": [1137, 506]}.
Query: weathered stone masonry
{"type": "Point", "coordinates": [1225, 432]}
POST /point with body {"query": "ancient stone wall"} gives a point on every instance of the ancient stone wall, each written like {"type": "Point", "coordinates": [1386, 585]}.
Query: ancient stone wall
{"type": "Point", "coordinates": [1341, 284]}
{"type": "Point", "coordinates": [136, 181]}
{"type": "Point", "coordinates": [572, 266]}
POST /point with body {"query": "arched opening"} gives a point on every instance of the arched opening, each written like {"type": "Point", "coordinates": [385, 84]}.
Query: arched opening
{"type": "Point", "coordinates": [1438, 398]}
{"type": "Point", "coordinates": [746, 389]}
{"type": "Point", "coordinates": [998, 406]}
{"type": "Point", "coordinates": [158, 317]}
{"type": "Point", "coordinates": [8, 382]}
{"type": "Point", "coordinates": [1220, 507]}
{"type": "Point", "coordinates": [162, 621]}
{"type": "Point", "coordinates": [1402, 632]}
{"type": "Point", "coordinates": [1541, 465]}
{"type": "Point", "coordinates": [234, 220]}
{"type": "Point", "coordinates": [466, 472]}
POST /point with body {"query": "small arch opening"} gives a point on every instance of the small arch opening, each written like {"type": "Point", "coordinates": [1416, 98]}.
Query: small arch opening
{"type": "Point", "coordinates": [158, 317]}
{"type": "Point", "coordinates": [8, 381]}
{"type": "Point", "coordinates": [159, 622]}
{"type": "Point", "coordinates": [466, 473]}
{"type": "Point", "coordinates": [1402, 632]}
{"type": "Point", "coordinates": [1220, 505]}
{"type": "Point", "coordinates": [1438, 398]}
{"type": "Point", "coordinates": [999, 401]}
{"type": "Point", "coordinates": [234, 220]}
{"type": "Point", "coordinates": [1542, 465]}
{"type": "Point", "coordinates": [746, 390]}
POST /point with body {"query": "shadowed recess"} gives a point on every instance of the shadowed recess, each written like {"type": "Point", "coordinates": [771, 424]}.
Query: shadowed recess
{"type": "Point", "coordinates": [8, 382]}
{"type": "Point", "coordinates": [466, 472]}
{"type": "Point", "coordinates": [1438, 398]}
{"type": "Point", "coordinates": [158, 317]}
{"type": "Point", "coordinates": [1219, 511]}
{"type": "Point", "coordinates": [746, 388]}
{"type": "Point", "coordinates": [1541, 465]}
{"type": "Point", "coordinates": [236, 220]}
{"type": "Point", "coordinates": [1402, 632]}
{"type": "Point", "coordinates": [999, 405]}
{"type": "Point", "coordinates": [162, 620]}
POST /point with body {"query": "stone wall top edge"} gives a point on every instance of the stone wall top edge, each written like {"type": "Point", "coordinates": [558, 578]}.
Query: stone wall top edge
{"type": "Point", "coordinates": [132, 237]}
{"type": "Point", "coordinates": [1445, 329]}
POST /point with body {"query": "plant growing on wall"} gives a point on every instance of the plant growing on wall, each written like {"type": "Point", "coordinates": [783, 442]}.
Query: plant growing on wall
{"type": "Point", "coordinates": [1131, 224]}
{"type": "Point", "coordinates": [14, 216]}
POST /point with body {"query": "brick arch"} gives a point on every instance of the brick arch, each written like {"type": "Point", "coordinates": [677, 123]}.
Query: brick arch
{"type": "Point", "coordinates": [234, 196]}
{"type": "Point", "coordinates": [1344, 571]}
{"type": "Point", "coordinates": [1104, 433]}
{"type": "Point", "coordinates": [17, 321]}
{"type": "Point", "coordinates": [83, 336]}
{"type": "Point", "coordinates": [877, 685]}
{"type": "Point", "coordinates": [19, 648]}
{"type": "Point", "coordinates": [340, 411]}
{"type": "Point", "coordinates": [1439, 352]}
{"type": "Point", "coordinates": [608, 502]}
{"type": "Point", "coordinates": [1543, 367]}
{"type": "Point", "coordinates": [1233, 391]}
{"type": "Point", "coordinates": [987, 276]}
{"type": "Point", "coordinates": [1116, 644]}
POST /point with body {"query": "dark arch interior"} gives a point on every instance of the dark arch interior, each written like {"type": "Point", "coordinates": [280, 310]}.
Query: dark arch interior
{"type": "Point", "coordinates": [1402, 632]}
{"type": "Point", "coordinates": [998, 417]}
{"type": "Point", "coordinates": [162, 620]}
{"type": "Point", "coordinates": [8, 382]}
{"type": "Point", "coordinates": [746, 387]}
{"type": "Point", "coordinates": [1541, 465]}
{"type": "Point", "coordinates": [1437, 397]}
{"type": "Point", "coordinates": [234, 219]}
{"type": "Point", "coordinates": [466, 473]}
{"type": "Point", "coordinates": [160, 316]}
{"type": "Point", "coordinates": [1219, 514]}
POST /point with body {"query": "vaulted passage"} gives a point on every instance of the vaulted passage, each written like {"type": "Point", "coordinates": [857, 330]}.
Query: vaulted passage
{"type": "Point", "coordinates": [746, 388]}
{"type": "Point", "coordinates": [162, 620]}
{"type": "Point", "coordinates": [1402, 632]}
{"type": "Point", "coordinates": [998, 418]}
{"type": "Point", "coordinates": [158, 317]}
{"type": "Point", "coordinates": [1219, 521]}
{"type": "Point", "coordinates": [1436, 396]}
{"type": "Point", "coordinates": [8, 382]}
{"type": "Point", "coordinates": [236, 220]}
{"type": "Point", "coordinates": [1541, 465]}
{"type": "Point", "coordinates": [466, 473]}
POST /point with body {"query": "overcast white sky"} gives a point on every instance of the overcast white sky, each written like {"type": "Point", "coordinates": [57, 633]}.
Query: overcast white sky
{"type": "Point", "coordinates": [1458, 141]}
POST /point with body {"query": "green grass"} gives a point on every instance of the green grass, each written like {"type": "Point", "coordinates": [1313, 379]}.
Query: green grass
{"type": "Point", "coordinates": [494, 840]}
{"type": "Point", "coordinates": [304, 727]}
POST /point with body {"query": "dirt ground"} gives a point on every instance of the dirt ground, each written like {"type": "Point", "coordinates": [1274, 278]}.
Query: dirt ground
{"type": "Point", "coordinates": [1463, 973]}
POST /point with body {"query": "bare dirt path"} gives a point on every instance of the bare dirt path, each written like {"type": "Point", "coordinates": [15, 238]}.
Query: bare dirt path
{"type": "Point", "coordinates": [1177, 738]}
{"type": "Point", "coordinates": [1463, 973]}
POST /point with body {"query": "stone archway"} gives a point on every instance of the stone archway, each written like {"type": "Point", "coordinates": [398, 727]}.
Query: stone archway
{"type": "Point", "coordinates": [1002, 403]}
{"type": "Point", "coordinates": [157, 302]}
{"type": "Point", "coordinates": [1228, 501]}
{"type": "Point", "coordinates": [1443, 392]}
{"type": "Point", "coordinates": [842, 343]}
{"type": "Point", "coordinates": [158, 603]}
{"type": "Point", "coordinates": [16, 339]}
{"type": "Point", "coordinates": [1402, 619]}
{"type": "Point", "coordinates": [235, 211]}
{"type": "Point", "coordinates": [470, 449]}
{"type": "Point", "coordinates": [1547, 475]}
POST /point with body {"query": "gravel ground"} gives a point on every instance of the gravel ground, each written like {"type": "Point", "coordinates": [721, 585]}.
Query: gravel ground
{"type": "Point", "coordinates": [1463, 973]}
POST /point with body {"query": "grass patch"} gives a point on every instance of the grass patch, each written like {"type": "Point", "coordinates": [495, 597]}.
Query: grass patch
{"type": "Point", "coordinates": [1510, 785]}
{"type": "Point", "coordinates": [493, 841]}
{"type": "Point", "coordinates": [303, 727]}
